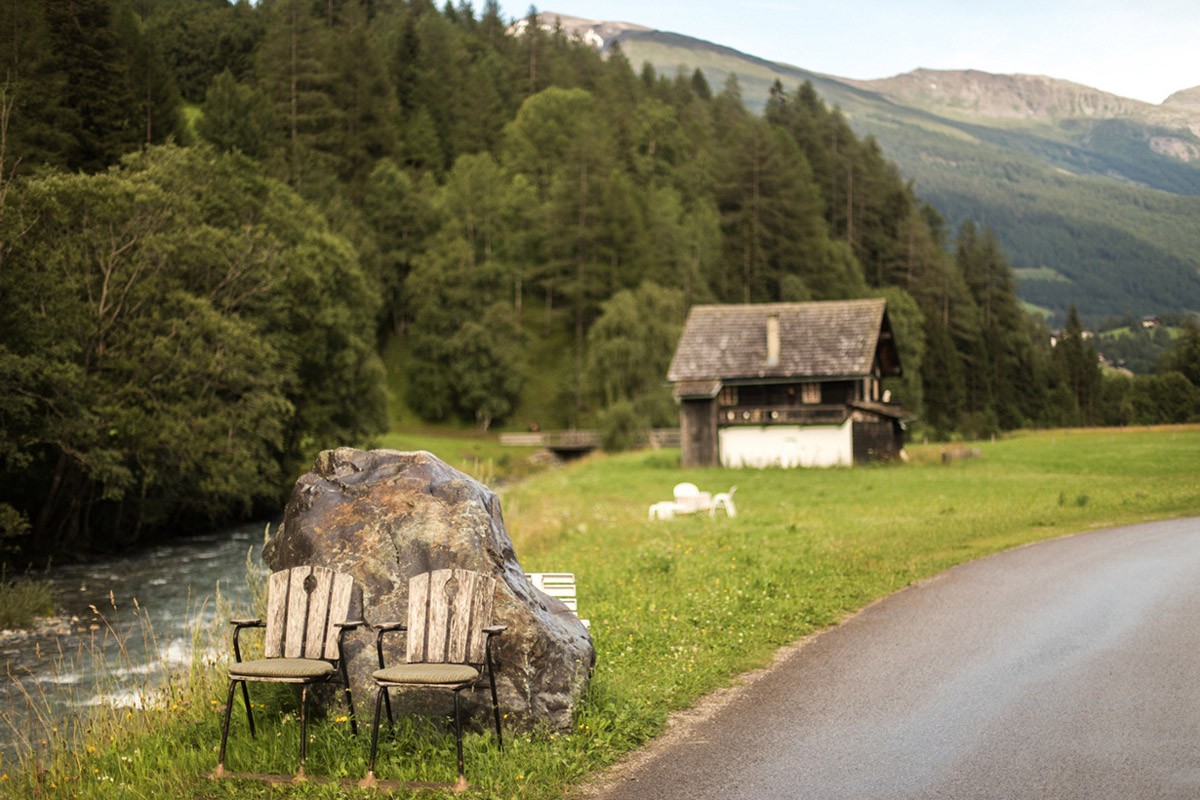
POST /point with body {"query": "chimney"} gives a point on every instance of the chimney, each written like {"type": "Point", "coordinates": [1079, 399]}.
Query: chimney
{"type": "Point", "coordinates": [773, 340]}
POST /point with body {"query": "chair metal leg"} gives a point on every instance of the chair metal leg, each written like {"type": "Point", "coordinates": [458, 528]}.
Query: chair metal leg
{"type": "Point", "coordinates": [249, 710]}
{"type": "Point", "coordinates": [303, 728]}
{"type": "Point", "coordinates": [387, 701]}
{"type": "Point", "coordinates": [349, 700]}
{"type": "Point", "coordinates": [458, 737]}
{"type": "Point", "coordinates": [495, 705]}
{"type": "Point", "coordinates": [496, 714]}
{"type": "Point", "coordinates": [380, 696]}
{"type": "Point", "coordinates": [225, 726]}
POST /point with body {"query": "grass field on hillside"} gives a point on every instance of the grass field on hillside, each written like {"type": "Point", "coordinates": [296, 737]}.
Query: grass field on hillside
{"type": "Point", "coordinates": [678, 607]}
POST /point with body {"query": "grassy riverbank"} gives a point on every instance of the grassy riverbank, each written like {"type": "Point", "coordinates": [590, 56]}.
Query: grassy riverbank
{"type": "Point", "coordinates": [678, 608]}
{"type": "Point", "coordinates": [23, 600]}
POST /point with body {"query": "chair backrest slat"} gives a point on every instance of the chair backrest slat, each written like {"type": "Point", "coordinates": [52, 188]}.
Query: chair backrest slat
{"type": "Point", "coordinates": [339, 611]}
{"type": "Point", "coordinates": [319, 620]}
{"type": "Point", "coordinates": [481, 616]}
{"type": "Point", "coordinates": [297, 614]}
{"type": "Point", "coordinates": [418, 607]}
{"type": "Point", "coordinates": [304, 605]}
{"type": "Point", "coordinates": [447, 612]}
{"type": "Point", "coordinates": [437, 616]}
{"type": "Point", "coordinates": [277, 593]}
{"type": "Point", "coordinates": [459, 607]}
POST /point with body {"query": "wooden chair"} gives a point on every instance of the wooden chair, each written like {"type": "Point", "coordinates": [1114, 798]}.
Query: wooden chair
{"type": "Point", "coordinates": [448, 646]}
{"type": "Point", "coordinates": [560, 585]}
{"type": "Point", "coordinates": [305, 627]}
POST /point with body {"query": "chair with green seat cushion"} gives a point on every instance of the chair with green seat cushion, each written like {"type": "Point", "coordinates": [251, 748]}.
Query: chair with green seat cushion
{"type": "Point", "coordinates": [306, 624]}
{"type": "Point", "coordinates": [449, 646]}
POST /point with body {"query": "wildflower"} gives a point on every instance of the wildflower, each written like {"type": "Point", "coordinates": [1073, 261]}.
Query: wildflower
{"type": "Point", "coordinates": [342, 718]}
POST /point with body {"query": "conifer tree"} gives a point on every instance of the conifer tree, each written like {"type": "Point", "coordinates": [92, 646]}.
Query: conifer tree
{"type": "Point", "coordinates": [366, 105]}
{"type": "Point", "coordinates": [293, 68]}
{"type": "Point", "coordinates": [156, 97]}
{"type": "Point", "coordinates": [1079, 371]}
{"type": "Point", "coordinates": [104, 123]}
{"type": "Point", "coordinates": [239, 117]}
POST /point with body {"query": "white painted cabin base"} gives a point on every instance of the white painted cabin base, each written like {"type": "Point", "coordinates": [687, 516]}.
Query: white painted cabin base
{"type": "Point", "coordinates": [787, 445]}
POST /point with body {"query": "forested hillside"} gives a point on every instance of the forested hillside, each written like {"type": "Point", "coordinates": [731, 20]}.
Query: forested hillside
{"type": "Point", "coordinates": [1093, 210]}
{"type": "Point", "coordinates": [213, 215]}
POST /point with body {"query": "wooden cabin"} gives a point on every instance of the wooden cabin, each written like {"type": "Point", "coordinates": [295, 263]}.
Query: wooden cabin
{"type": "Point", "coordinates": [787, 384]}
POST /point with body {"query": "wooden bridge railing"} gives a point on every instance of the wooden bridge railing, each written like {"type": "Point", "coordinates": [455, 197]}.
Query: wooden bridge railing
{"type": "Point", "coordinates": [583, 439]}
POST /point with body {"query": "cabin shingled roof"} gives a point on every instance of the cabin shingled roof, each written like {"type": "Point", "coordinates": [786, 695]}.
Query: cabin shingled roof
{"type": "Point", "coordinates": [817, 340]}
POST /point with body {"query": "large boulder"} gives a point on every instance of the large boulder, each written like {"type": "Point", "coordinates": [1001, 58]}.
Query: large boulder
{"type": "Point", "coordinates": [383, 516]}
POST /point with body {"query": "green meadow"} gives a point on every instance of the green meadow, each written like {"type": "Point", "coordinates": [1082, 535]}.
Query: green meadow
{"type": "Point", "coordinates": [678, 608]}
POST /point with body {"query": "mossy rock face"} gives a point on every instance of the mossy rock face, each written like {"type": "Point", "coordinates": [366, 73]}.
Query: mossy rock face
{"type": "Point", "coordinates": [383, 516]}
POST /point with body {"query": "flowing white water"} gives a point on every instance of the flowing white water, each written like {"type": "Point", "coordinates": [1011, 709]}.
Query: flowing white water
{"type": "Point", "coordinates": [120, 623]}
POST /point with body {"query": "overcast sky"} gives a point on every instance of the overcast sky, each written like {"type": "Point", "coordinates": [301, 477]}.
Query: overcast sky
{"type": "Point", "coordinates": [1144, 49]}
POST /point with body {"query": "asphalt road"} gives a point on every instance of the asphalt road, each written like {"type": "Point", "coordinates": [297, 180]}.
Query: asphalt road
{"type": "Point", "coordinates": [1066, 669]}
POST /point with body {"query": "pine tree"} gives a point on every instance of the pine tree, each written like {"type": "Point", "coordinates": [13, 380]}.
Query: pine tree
{"type": "Point", "coordinates": [366, 107]}
{"type": "Point", "coordinates": [104, 123]}
{"type": "Point", "coordinates": [239, 117]}
{"type": "Point", "coordinates": [157, 100]}
{"type": "Point", "coordinates": [294, 72]}
{"type": "Point", "coordinates": [1079, 371]}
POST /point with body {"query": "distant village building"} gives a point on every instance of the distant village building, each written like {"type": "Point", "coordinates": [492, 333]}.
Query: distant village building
{"type": "Point", "coordinates": [787, 384]}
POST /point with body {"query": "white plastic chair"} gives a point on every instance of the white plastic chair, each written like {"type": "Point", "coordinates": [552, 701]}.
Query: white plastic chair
{"type": "Point", "coordinates": [724, 500]}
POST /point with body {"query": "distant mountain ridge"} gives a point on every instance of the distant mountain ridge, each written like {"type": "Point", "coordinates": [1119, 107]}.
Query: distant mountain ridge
{"type": "Point", "coordinates": [1095, 197]}
{"type": "Point", "coordinates": [1004, 96]}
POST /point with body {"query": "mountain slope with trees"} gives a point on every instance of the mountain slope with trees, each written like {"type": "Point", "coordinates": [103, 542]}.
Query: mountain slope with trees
{"type": "Point", "coordinates": [189, 312]}
{"type": "Point", "coordinates": [1092, 196]}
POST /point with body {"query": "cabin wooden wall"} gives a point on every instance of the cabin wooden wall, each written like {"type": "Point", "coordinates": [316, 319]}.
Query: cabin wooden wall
{"type": "Point", "coordinates": [877, 440]}
{"type": "Point", "coordinates": [698, 432]}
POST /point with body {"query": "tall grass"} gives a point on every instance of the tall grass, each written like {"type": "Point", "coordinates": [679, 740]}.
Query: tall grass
{"type": "Point", "coordinates": [678, 608]}
{"type": "Point", "coordinates": [23, 600]}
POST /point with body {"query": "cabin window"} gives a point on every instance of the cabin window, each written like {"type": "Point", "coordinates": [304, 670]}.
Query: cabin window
{"type": "Point", "coordinates": [810, 392]}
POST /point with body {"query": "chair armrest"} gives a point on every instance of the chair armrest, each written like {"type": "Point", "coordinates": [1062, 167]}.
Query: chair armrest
{"type": "Point", "coordinates": [387, 627]}
{"type": "Point", "coordinates": [492, 631]}
{"type": "Point", "coordinates": [238, 624]}
{"type": "Point", "coordinates": [391, 626]}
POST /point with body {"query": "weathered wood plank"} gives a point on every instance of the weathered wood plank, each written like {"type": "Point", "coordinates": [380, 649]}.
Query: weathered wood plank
{"type": "Point", "coordinates": [418, 608]}
{"type": "Point", "coordinates": [339, 611]}
{"type": "Point", "coordinates": [297, 613]}
{"type": "Point", "coordinates": [458, 627]}
{"type": "Point", "coordinates": [318, 613]}
{"type": "Point", "coordinates": [438, 612]}
{"type": "Point", "coordinates": [481, 617]}
{"type": "Point", "coordinates": [277, 590]}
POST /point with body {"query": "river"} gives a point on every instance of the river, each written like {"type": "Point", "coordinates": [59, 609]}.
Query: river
{"type": "Point", "coordinates": [120, 624]}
